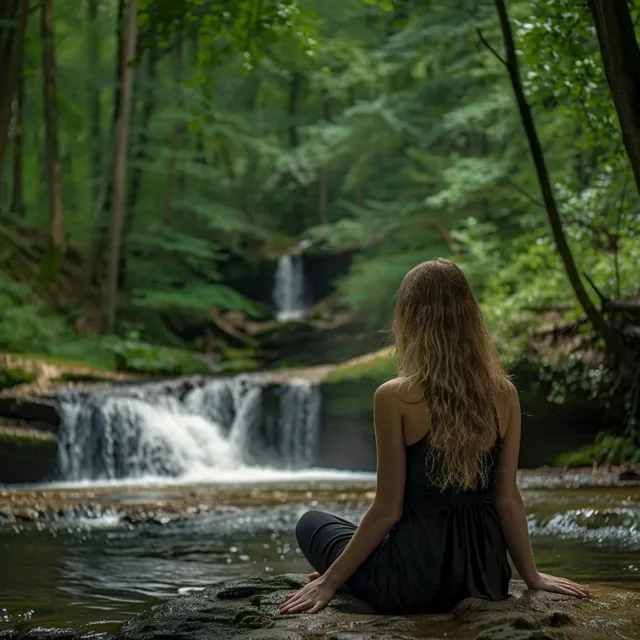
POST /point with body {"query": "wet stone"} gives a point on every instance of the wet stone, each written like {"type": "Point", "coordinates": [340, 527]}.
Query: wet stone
{"type": "Point", "coordinates": [248, 609]}
{"type": "Point", "coordinates": [271, 634]}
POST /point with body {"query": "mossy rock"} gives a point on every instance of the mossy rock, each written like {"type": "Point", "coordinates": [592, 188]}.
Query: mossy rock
{"type": "Point", "coordinates": [26, 438]}
{"type": "Point", "coordinates": [15, 376]}
{"type": "Point", "coordinates": [379, 366]}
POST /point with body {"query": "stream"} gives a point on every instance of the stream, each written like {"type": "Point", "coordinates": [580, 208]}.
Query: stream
{"type": "Point", "coordinates": [93, 572]}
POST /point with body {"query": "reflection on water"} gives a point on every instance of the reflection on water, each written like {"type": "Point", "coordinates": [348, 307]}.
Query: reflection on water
{"type": "Point", "coordinates": [105, 570]}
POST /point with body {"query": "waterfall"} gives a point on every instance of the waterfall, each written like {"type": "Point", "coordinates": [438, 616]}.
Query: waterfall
{"type": "Point", "coordinates": [290, 292]}
{"type": "Point", "coordinates": [225, 425]}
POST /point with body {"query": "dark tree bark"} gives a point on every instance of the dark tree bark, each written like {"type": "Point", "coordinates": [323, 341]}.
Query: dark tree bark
{"type": "Point", "coordinates": [612, 339]}
{"type": "Point", "coordinates": [142, 150]}
{"type": "Point", "coordinates": [621, 58]}
{"type": "Point", "coordinates": [17, 206]}
{"type": "Point", "coordinates": [295, 84]}
{"type": "Point", "coordinates": [95, 134]}
{"type": "Point", "coordinates": [176, 138]}
{"type": "Point", "coordinates": [120, 163]}
{"type": "Point", "coordinates": [96, 249]}
{"type": "Point", "coordinates": [141, 155]}
{"type": "Point", "coordinates": [56, 212]}
{"type": "Point", "coordinates": [13, 26]}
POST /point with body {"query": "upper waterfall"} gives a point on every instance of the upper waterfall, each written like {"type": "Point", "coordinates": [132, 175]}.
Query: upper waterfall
{"type": "Point", "coordinates": [290, 293]}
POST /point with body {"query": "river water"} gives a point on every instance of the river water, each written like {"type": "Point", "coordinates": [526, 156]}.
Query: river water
{"type": "Point", "coordinates": [168, 487]}
{"type": "Point", "coordinates": [94, 572]}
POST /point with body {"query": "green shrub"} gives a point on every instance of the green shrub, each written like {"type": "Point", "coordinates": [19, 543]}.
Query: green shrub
{"type": "Point", "coordinates": [607, 449]}
{"type": "Point", "coordinates": [14, 377]}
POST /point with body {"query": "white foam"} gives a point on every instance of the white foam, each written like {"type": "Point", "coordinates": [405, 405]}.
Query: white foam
{"type": "Point", "coordinates": [244, 476]}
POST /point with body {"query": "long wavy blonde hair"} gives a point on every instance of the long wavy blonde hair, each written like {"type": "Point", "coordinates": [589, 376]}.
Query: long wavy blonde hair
{"type": "Point", "coordinates": [444, 349]}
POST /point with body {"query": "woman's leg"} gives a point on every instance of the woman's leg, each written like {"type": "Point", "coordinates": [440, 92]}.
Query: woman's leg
{"type": "Point", "coordinates": [322, 537]}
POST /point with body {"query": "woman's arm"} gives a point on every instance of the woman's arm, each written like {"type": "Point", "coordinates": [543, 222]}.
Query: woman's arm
{"type": "Point", "coordinates": [513, 516]}
{"type": "Point", "coordinates": [385, 511]}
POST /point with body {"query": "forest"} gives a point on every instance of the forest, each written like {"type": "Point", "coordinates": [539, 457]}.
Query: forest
{"type": "Point", "coordinates": [154, 154]}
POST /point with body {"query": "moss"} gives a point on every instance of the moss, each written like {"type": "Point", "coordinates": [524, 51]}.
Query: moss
{"type": "Point", "coordinates": [379, 366]}
{"type": "Point", "coordinates": [83, 377]}
{"type": "Point", "coordinates": [14, 377]}
{"type": "Point", "coordinates": [58, 361]}
{"type": "Point", "coordinates": [26, 438]}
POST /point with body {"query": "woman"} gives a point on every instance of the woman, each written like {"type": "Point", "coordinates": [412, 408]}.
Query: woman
{"type": "Point", "coordinates": [447, 506]}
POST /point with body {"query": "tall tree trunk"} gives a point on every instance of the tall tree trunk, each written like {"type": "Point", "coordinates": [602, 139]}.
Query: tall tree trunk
{"type": "Point", "coordinates": [18, 142]}
{"type": "Point", "coordinates": [141, 155]}
{"type": "Point", "coordinates": [56, 213]}
{"type": "Point", "coordinates": [621, 58]}
{"type": "Point", "coordinates": [96, 248]}
{"type": "Point", "coordinates": [613, 341]}
{"type": "Point", "coordinates": [95, 137]}
{"type": "Point", "coordinates": [295, 84]}
{"type": "Point", "coordinates": [176, 136]}
{"type": "Point", "coordinates": [13, 26]}
{"type": "Point", "coordinates": [120, 163]}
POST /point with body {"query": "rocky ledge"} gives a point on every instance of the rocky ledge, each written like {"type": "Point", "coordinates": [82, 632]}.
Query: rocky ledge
{"type": "Point", "coordinates": [248, 609]}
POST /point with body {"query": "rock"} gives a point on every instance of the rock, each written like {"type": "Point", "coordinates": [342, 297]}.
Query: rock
{"type": "Point", "coordinates": [248, 609]}
{"type": "Point", "coordinates": [40, 633]}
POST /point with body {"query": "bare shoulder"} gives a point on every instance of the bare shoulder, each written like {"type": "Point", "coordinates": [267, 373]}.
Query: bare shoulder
{"type": "Point", "coordinates": [512, 399]}
{"type": "Point", "coordinates": [398, 390]}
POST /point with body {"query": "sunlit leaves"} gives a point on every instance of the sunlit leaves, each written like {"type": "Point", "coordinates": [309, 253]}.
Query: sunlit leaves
{"type": "Point", "coordinates": [244, 28]}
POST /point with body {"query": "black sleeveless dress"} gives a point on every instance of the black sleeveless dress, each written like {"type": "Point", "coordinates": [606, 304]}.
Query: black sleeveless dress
{"type": "Point", "coordinates": [447, 545]}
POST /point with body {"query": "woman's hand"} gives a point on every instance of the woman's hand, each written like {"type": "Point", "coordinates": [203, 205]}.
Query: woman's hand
{"type": "Point", "coordinates": [544, 582]}
{"type": "Point", "coordinates": [312, 597]}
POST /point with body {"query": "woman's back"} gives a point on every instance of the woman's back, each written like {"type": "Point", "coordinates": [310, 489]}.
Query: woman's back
{"type": "Point", "coordinates": [448, 544]}
{"type": "Point", "coordinates": [424, 462]}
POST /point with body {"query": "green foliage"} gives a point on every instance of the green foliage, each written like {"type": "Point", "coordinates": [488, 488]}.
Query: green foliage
{"type": "Point", "coordinates": [607, 449]}
{"type": "Point", "coordinates": [25, 324]}
{"type": "Point", "coordinates": [199, 297]}
{"type": "Point", "coordinates": [134, 355]}
{"type": "Point", "coordinates": [14, 377]}
{"type": "Point", "coordinates": [378, 126]}
{"type": "Point", "coordinates": [573, 378]}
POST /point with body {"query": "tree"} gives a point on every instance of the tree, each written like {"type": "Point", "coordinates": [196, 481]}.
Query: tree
{"type": "Point", "coordinates": [13, 26]}
{"type": "Point", "coordinates": [95, 139]}
{"type": "Point", "coordinates": [613, 340]}
{"type": "Point", "coordinates": [54, 170]}
{"type": "Point", "coordinates": [96, 246]}
{"type": "Point", "coordinates": [18, 144]}
{"type": "Point", "coordinates": [120, 162]}
{"type": "Point", "coordinates": [621, 58]}
{"type": "Point", "coordinates": [176, 134]}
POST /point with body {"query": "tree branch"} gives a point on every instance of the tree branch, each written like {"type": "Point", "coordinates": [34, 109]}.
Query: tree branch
{"type": "Point", "coordinates": [612, 339]}
{"type": "Point", "coordinates": [486, 44]}
{"type": "Point", "coordinates": [525, 193]}
{"type": "Point", "coordinates": [603, 298]}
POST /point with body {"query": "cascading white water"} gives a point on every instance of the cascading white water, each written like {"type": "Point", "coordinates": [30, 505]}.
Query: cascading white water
{"type": "Point", "coordinates": [149, 431]}
{"type": "Point", "coordinates": [290, 291]}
